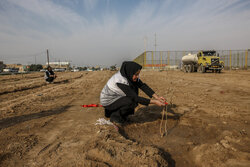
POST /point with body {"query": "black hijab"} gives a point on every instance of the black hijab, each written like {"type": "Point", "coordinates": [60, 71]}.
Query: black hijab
{"type": "Point", "coordinates": [128, 69]}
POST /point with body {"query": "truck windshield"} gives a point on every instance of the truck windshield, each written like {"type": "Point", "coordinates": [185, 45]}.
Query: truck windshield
{"type": "Point", "coordinates": [209, 53]}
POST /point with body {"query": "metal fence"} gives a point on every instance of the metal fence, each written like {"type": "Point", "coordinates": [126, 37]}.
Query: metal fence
{"type": "Point", "coordinates": [233, 59]}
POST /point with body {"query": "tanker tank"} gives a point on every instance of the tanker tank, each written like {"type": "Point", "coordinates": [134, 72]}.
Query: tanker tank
{"type": "Point", "coordinates": [190, 59]}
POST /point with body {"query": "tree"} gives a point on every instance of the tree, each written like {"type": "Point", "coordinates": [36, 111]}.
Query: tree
{"type": "Point", "coordinates": [113, 68]}
{"type": "Point", "coordinates": [36, 67]}
{"type": "Point", "coordinates": [83, 68]}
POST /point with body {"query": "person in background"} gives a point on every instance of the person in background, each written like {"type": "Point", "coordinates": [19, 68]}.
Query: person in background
{"type": "Point", "coordinates": [49, 75]}
{"type": "Point", "coordinates": [120, 97]}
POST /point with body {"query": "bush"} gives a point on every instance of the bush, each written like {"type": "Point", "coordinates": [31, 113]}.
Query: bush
{"type": "Point", "coordinates": [36, 67]}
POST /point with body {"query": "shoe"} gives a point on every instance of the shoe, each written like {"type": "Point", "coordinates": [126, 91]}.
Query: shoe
{"type": "Point", "coordinates": [118, 125]}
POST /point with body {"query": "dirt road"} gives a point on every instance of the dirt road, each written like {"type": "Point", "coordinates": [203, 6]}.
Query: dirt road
{"type": "Point", "coordinates": [44, 124]}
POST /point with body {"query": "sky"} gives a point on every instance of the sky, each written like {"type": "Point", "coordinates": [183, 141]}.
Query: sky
{"type": "Point", "coordinates": [107, 32]}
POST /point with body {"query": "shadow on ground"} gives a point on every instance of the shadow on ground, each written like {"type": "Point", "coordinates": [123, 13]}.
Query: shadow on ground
{"type": "Point", "coordinates": [137, 131]}
{"type": "Point", "coordinates": [153, 113]}
{"type": "Point", "coordinates": [8, 122]}
{"type": "Point", "coordinates": [61, 82]}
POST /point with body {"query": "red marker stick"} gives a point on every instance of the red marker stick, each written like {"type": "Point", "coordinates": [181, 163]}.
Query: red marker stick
{"type": "Point", "coordinates": [98, 105]}
{"type": "Point", "coordinates": [92, 105]}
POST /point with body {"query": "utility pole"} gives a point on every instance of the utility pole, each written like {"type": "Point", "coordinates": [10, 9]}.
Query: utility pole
{"type": "Point", "coordinates": [35, 59]}
{"type": "Point", "coordinates": [48, 56]}
{"type": "Point", "coordinates": [155, 51]}
{"type": "Point", "coordinates": [155, 43]}
{"type": "Point", "coordinates": [145, 53]}
{"type": "Point", "coordinates": [145, 43]}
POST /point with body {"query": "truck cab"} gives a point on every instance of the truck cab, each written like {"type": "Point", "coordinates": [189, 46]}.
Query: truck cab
{"type": "Point", "coordinates": [209, 60]}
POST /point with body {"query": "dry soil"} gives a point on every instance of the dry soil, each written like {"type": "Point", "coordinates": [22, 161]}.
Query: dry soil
{"type": "Point", "coordinates": [44, 124]}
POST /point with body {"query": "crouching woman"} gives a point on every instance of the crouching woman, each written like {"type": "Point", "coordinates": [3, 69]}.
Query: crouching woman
{"type": "Point", "coordinates": [49, 75]}
{"type": "Point", "coordinates": [120, 97]}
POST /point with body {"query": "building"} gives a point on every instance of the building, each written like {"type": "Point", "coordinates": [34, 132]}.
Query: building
{"type": "Point", "coordinates": [59, 65]}
{"type": "Point", "coordinates": [24, 68]}
{"type": "Point", "coordinates": [20, 67]}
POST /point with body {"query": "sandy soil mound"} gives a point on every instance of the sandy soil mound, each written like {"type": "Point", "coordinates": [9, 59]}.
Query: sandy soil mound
{"type": "Point", "coordinates": [109, 148]}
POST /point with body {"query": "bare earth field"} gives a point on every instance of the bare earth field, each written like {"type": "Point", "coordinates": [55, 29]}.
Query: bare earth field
{"type": "Point", "coordinates": [44, 124]}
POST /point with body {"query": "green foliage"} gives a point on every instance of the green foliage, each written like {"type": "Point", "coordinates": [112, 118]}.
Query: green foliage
{"type": "Point", "coordinates": [113, 68]}
{"type": "Point", "coordinates": [36, 67]}
{"type": "Point", "coordinates": [83, 68]}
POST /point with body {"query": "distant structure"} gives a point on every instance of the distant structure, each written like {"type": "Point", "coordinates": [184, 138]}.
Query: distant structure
{"type": "Point", "coordinates": [168, 60]}
{"type": "Point", "coordinates": [1, 66]}
{"type": "Point", "coordinates": [16, 68]}
{"type": "Point", "coordinates": [59, 64]}
{"type": "Point", "coordinates": [12, 70]}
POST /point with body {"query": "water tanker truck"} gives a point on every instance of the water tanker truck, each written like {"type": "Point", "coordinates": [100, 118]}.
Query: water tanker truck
{"type": "Point", "coordinates": [202, 62]}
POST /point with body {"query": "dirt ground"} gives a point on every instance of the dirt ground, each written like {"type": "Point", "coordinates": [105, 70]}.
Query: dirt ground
{"type": "Point", "coordinates": [207, 122]}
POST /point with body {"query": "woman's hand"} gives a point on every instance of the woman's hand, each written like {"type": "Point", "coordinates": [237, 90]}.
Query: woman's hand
{"type": "Point", "coordinates": [157, 102]}
{"type": "Point", "coordinates": [162, 99]}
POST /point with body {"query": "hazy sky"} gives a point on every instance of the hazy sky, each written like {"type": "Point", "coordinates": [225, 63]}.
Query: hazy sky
{"type": "Point", "coordinates": [106, 32]}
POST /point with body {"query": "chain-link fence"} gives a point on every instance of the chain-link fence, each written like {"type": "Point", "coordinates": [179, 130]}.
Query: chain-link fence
{"type": "Point", "coordinates": [233, 59]}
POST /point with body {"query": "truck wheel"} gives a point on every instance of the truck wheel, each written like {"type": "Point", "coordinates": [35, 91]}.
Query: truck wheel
{"type": "Point", "coordinates": [189, 68]}
{"type": "Point", "coordinates": [192, 68]}
{"type": "Point", "coordinates": [218, 71]}
{"type": "Point", "coordinates": [199, 69]}
{"type": "Point", "coordinates": [203, 69]}
{"type": "Point", "coordinates": [184, 68]}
